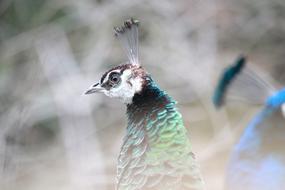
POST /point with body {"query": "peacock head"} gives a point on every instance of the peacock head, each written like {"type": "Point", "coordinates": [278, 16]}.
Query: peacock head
{"type": "Point", "coordinates": [123, 81]}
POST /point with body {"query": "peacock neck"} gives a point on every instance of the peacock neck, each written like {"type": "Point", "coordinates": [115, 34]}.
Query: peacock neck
{"type": "Point", "coordinates": [154, 114]}
{"type": "Point", "coordinates": [156, 144]}
{"type": "Point", "coordinates": [150, 99]}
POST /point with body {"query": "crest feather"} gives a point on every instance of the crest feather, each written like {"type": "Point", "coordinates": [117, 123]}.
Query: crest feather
{"type": "Point", "coordinates": [128, 36]}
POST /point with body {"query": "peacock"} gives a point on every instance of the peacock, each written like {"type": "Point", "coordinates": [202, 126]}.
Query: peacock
{"type": "Point", "coordinates": [156, 153]}
{"type": "Point", "coordinates": [258, 159]}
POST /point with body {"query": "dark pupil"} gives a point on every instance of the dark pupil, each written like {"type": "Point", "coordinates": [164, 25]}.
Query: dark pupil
{"type": "Point", "coordinates": [114, 78]}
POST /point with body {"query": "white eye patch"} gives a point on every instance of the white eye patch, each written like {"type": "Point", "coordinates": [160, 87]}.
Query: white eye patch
{"type": "Point", "coordinates": [127, 88]}
{"type": "Point", "coordinates": [107, 76]}
{"type": "Point", "coordinates": [126, 75]}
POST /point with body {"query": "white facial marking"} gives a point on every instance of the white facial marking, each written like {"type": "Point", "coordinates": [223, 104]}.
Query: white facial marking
{"type": "Point", "coordinates": [126, 89]}
{"type": "Point", "coordinates": [283, 109]}
{"type": "Point", "coordinates": [107, 76]}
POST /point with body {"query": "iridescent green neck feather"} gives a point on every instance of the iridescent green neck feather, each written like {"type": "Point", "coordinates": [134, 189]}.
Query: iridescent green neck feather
{"type": "Point", "coordinates": [156, 153]}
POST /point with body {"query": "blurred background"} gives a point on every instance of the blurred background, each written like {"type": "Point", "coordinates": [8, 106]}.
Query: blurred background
{"type": "Point", "coordinates": [51, 51]}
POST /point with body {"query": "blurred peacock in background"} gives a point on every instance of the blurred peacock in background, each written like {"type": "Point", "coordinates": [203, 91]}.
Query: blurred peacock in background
{"type": "Point", "coordinates": [258, 159]}
{"type": "Point", "coordinates": [156, 153]}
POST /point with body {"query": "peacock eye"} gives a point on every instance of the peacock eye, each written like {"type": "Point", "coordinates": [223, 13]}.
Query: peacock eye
{"type": "Point", "coordinates": [114, 78]}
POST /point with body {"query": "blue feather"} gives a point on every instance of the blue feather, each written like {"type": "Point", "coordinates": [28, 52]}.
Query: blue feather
{"type": "Point", "coordinates": [226, 78]}
{"type": "Point", "coordinates": [258, 160]}
{"type": "Point", "coordinates": [277, 99]}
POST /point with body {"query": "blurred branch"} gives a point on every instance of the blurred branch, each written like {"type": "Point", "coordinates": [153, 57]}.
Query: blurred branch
{"type": "Point", "coordinates": [74, 114]}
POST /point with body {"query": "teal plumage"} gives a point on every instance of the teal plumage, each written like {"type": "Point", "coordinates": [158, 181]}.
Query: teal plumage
{"type": "Point", "coordinates": [156, 153]}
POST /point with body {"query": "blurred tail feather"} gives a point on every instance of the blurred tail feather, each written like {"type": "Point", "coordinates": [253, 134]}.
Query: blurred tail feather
{"type": "Point", "coordinates": [226, 79]}
{"type": "Point", "coordinates": [238, 82]}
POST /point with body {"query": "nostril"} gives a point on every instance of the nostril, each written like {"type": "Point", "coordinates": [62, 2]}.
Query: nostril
{"type": "Point", "coordinates": [95, 85]}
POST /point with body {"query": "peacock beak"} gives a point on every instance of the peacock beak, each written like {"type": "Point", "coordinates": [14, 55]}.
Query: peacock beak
{"type": "Point", "coordinates": [94, 89]}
